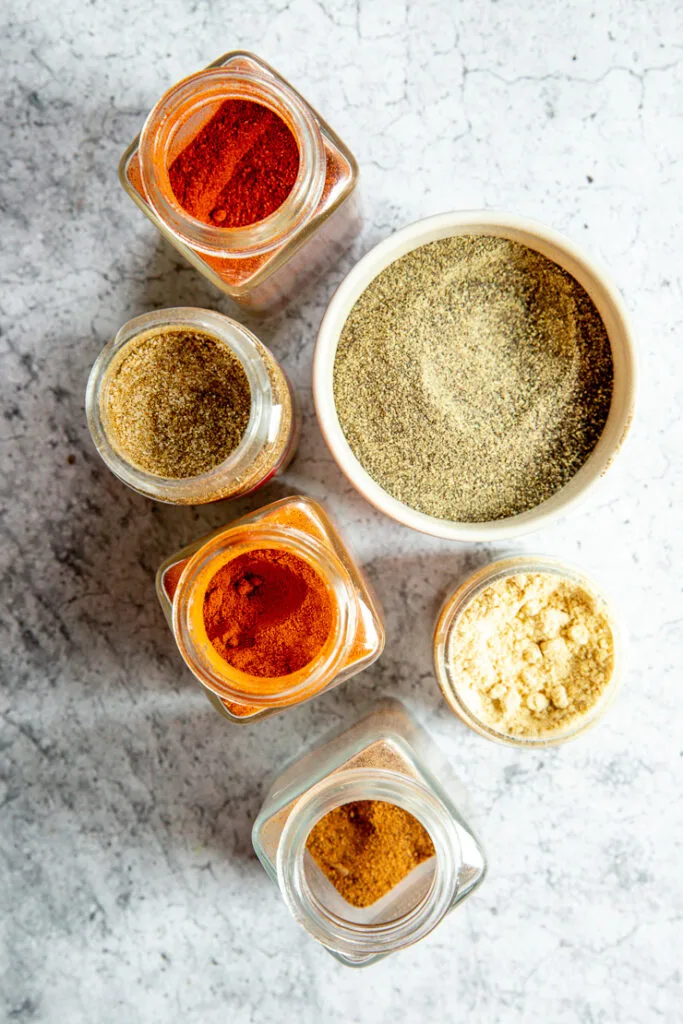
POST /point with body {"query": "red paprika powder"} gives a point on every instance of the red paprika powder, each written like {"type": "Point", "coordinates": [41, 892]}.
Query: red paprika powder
{"type": "Point", "coordinates": [268, 613]}
{"type": "Point", "coordinates": [239, 168]}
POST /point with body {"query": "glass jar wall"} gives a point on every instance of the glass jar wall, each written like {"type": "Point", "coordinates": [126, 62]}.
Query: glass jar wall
{"type": "Point", "coordinates": [259, 265]}
{"type": "Point", "coordinates": [384, 757]}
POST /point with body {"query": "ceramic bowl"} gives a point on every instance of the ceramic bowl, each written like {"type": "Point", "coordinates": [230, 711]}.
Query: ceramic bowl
{"type": "Point", "coordinates": [557, 248]}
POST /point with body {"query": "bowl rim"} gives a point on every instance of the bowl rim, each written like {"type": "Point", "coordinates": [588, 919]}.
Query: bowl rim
{"type": "Point", "coordinates": [587, 271]}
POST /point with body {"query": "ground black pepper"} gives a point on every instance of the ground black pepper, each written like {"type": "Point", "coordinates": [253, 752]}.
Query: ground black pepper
{"type": "Point", "coordinates": [473, 378]}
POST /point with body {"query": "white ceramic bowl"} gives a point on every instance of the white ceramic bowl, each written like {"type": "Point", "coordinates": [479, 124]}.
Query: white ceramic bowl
{"type": "Point", "coordinates": [551, 244]}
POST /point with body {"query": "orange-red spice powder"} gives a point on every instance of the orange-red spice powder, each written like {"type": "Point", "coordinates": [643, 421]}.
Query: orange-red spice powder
{"type": "Point", "coordinates": [268, 613]}
{"type": "Point", "coordinates": [239, 168]}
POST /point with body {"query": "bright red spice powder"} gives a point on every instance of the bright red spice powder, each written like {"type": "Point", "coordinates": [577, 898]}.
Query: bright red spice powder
{"type": "Point", "coordinates": [239, 168]}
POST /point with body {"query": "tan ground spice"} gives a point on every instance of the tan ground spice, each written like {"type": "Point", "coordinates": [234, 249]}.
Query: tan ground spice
{"type": "Point", "coordinates": [366, 847]}
{"type": "Point", "coordinates": [532, 653]}
{"type": "Point", "coordinates": [177, 402]}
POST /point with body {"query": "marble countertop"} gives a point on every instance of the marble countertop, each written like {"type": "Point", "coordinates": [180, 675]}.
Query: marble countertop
{"type": "Point", "coordinates": [129, 891]}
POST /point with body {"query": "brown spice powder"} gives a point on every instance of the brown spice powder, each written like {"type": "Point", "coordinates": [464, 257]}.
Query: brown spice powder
{"type": "Point", "coordinates": [177, 402]}
{"type": "Point", "coordinates": [367, 847]}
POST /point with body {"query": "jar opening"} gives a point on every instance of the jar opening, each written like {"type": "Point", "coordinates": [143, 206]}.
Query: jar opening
{"type": "Point", "coordinates": [176, 402]}
{"type": "Point", "coordinates": [179, 149]}
{"type": "Point", "coordinates": [411, 909]}
{"type": "Point", "coordinates": [369, 862]}
{"type": "Point", "coordinates": [264, 417]}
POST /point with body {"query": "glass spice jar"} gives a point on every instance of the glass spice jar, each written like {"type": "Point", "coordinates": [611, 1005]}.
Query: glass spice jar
{"type": "Point", "coordinates": [300, 527]}
{"type": "Point", "coordinates": [386, 757]}
{"type": "Point", "coordinates": [258, 265]}
{"type": "Point", "coordinates": [269, 441]}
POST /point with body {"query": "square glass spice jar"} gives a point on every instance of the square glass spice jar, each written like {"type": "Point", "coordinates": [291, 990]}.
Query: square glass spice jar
{"type": "Point", "coordinates": [384, 757]}
{"type": "Point", "coordinates": [293, 532]}
{"type": "Point", "coordinates": [260, 264]}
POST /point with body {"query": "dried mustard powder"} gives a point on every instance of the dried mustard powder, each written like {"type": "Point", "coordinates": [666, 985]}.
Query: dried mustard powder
{"type": "Point", "coordinates": [531, 654]}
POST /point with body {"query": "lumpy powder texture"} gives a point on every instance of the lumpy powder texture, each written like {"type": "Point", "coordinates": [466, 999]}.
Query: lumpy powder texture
{"type": "Point", "coordinates": [177, 402]}
{"type": "Point", "coordinates": [473, 378]}
{"type": "Point", "coordinates": [531, 654]}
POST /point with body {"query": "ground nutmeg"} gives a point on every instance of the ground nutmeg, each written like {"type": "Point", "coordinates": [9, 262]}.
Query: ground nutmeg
{"type": "Point", "coordinates": [365, 848]}
{"type": "Point", "coordinates": [268, 613]}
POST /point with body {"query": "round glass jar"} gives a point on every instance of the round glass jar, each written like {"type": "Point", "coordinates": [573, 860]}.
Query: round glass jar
{"type": "Point", "coordinates": [385, 757]}
{"type": "Point", "coordinates": [444, 637]}
{"type": "Point", "coordinates": [298, 526]}
{"type": "Point", "coordinates": [270, 438]}
{"type": "Point", "coordinates": [256, 264]}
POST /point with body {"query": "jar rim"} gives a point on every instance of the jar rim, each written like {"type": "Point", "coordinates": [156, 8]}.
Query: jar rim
{"type": "Point", "coordinates": [246, 348]}
{"type": "Point", "coordinates": [211, 86]}
{"type": "Point", "coordinates": [218, 675]}
{"type": "Point", "coordinates": [352, 938]}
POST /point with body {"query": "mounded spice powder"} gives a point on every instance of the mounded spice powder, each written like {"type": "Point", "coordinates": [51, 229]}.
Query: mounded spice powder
{"type": "Point", "coordinates": [239, 168]}
{"type": "Point", "coordinates": [473, 378]}
{"type": "Point", "coordinates": [268, 613]}
{"type": "Point", "coordinates": [367, 847]}
{"type": "Point", "coordinates": [532, 653]}
{"type": "Point", "coordinates": [177, 402]}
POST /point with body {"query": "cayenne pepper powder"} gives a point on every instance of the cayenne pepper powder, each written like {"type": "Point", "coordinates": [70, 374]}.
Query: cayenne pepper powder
{"type": "Point", "coordinates": [367, 847]}
{"type": "Point", "coordinates": [239, 168]}
{"type": "Point", "coordinates": [267, 612]}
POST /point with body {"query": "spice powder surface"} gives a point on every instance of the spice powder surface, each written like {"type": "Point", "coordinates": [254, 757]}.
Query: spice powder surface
{"type": "Point", "coordinates": [239, 168]}
{"type": "Point", "coordinates": [365, 848]}
{"type": "Point", "coordinates": [176, 402]}
{"type": "Point", "coordinates": [473, 378]}
{"type": "Point", "coordinates": [532, 654]}
{"type": "Point", "coordinates": [268, 613]}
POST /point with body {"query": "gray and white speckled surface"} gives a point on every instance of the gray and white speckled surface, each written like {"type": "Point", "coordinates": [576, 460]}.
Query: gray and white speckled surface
{"type": "Point", "coordinates": [129, 889]}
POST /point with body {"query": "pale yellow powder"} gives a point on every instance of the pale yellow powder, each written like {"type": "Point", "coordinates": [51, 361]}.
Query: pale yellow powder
{"type": "Point", "coordinates": [532, 654]}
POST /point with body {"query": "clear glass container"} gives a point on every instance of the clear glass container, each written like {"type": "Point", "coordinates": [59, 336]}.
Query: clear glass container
{"type": "Point", "coordinates": [450, 615]}
{"type": "Point", "coordinates": [259, 265]}
{"type": "Point", "coordinates": [271, 435]}
{"type": "Point", "coordinates": [386, 756]}
{"type": "Point", "coordinates": [298, 525]}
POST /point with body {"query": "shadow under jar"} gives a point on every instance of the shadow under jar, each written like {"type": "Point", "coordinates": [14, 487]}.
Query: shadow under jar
{"type": "Point", "coordinates": [258, 264]}
{"type": "Point", "coordinates": [385, 757]}
{"type": "Point", "coordinates": [270, 437]}
{"type": "Point", "coordinates": [297, 531]}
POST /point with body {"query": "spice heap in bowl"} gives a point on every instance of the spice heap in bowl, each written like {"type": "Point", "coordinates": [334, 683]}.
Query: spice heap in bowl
{"type": "Point", "coordinates": [474, 375]}
{"type": "Point", "coordinates": [526, 651]}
